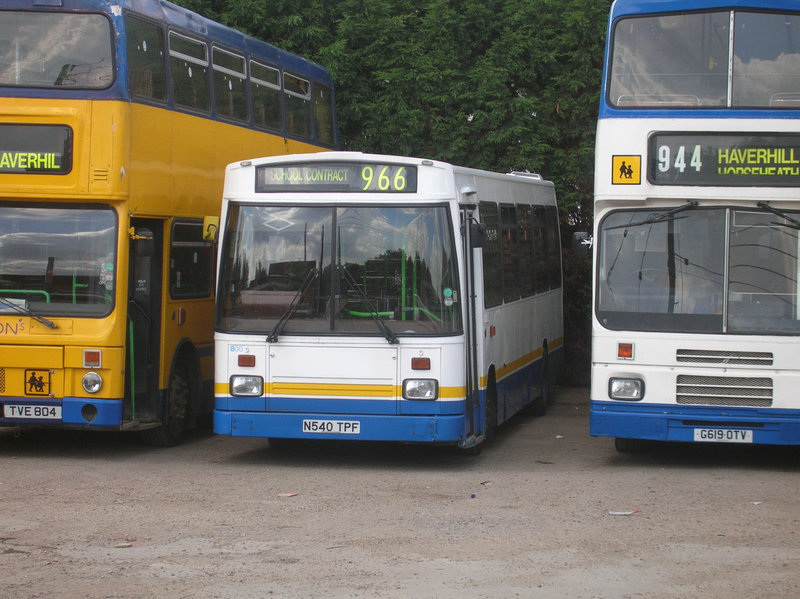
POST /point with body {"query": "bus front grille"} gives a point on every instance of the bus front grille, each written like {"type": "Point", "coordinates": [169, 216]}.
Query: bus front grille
{"type": "Point", "coordinates": [753, 392]}
{"type": "Point", "coordinates": [710, 356]}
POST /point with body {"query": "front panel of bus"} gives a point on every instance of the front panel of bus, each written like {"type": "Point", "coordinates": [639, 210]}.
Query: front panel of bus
{"type": "Point", "coordinates": [340, 318]}
{"type": "Point", "coordinates": [697, 222]}
{"type": "Point", "coordinates": [61, 337]}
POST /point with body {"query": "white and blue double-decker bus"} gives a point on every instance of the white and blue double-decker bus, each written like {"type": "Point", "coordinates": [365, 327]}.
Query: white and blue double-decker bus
{"type": "Point", "coordinates": [697, 224]}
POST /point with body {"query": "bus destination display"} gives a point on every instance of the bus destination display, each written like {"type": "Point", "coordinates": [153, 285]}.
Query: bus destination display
{"type": "Point", "coordinates": [35, 149]}
{"type": "Point", "coordinates": [723, 159]}
{"type": "Point", "coordinates": [337, 177]}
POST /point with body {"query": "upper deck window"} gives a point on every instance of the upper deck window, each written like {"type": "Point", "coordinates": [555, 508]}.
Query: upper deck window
{"type": "Point", "coordinates": [55, 50]}
{"type": "Point", "coordinates": [189, 67]}
{"type": "Point", "coordinates": [147, 70]}
{"type": "Point", "coordinates": [230, 84]}
{"type": "Point", "coordinates": [706, 60]}
{"type": "Point", "coordinates": [297, 99]}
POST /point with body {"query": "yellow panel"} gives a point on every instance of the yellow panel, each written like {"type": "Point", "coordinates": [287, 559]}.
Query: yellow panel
{"type": "Point", "coordinates": [31, 356]}
{"type": "Point", "coordinates": [63, 327]}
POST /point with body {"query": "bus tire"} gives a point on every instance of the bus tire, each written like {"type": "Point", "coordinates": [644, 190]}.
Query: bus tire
{"type": "Point", "coordinates": [171, 430]}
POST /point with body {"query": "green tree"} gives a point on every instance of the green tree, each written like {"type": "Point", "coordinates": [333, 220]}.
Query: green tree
{"type": "Point", "coordinates": [495, 84]}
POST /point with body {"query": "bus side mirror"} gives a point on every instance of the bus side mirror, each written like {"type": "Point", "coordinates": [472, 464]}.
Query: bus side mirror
{"type": "Point", "coordinates": [210, 228]}
{"type": "Point", "coordinates": [477, 234]}
{"type": "Point", "coordinates": [581, 243]}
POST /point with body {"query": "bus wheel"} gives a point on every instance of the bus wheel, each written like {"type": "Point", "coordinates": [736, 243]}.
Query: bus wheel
{"type": "Point", "coordinates": [171, 431]}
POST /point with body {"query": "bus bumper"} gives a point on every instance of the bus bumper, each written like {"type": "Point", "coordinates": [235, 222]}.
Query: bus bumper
{"type": "Point", "coordinates": [658, 422]}
{"type": "Point", "coordinates": [348, 427]}
{"type": "Point", "coordinates": [74, 412]}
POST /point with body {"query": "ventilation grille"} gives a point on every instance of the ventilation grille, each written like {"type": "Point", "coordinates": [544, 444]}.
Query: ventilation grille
{"type": "Point", "coordinates": [2, 380]}
{"type": "Point", "coordinates": [710, 356]}
{"type": "Point", "coordinates": [753, 392]}
{"type": "Point", "coordinates": [100, 174]}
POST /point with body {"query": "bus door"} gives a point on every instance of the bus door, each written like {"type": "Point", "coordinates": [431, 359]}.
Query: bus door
{"type": "Point", "coordinates": [144, 321]}
{"type": "Point", "coordinates": [471, 239]}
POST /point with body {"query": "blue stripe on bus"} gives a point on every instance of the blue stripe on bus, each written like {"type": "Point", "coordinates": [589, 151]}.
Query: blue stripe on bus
{"type": "Point", "coordinates": [442, 429]}
{"type": "Point", "coordinates": [337, 406]}
{"type": "Point", "coordinates": [108, 412]}
{"type": "Point", "coordinates": [661, 422]}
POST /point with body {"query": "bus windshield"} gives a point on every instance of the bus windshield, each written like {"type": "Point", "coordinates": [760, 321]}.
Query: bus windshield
{"type": "Point", "coordinates": [57, 261]}
{"type": "Point", "coordinates": [684, 60]}
{"type": "Point", "coordinates": [367, 270]}
{"type": "Point", "coordinates": [55, 50]}
{"type": "Point", "coordinates": [671, 273]}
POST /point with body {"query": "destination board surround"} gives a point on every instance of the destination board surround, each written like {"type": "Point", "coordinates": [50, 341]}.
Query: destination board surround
{"type": "Point", "coordinates": [724, 159]}
{"type": "Point", "coordinates": [35, 149]}
{"type": "Point", "coordinates": [337, 177]}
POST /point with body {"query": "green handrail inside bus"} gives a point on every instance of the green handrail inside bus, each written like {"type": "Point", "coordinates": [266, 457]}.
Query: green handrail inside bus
{"type": "Point", "coordinates": [75, 287]}
{"type": "Point", "coordinates": [367, 314]}
{"type": "Point", "coordinates": [42, 291]}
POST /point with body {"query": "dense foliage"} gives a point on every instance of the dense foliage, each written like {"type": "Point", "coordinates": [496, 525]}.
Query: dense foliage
{"type": "Point", "coordinates": [494, 84]}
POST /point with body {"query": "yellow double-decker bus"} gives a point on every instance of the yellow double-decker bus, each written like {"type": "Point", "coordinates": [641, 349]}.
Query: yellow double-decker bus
{"type": "Point", "coordinates": [116, 121]}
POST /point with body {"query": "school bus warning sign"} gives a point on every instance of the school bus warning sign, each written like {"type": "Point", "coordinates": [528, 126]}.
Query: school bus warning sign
{"type": "Point", "coordinates": [626, 170]}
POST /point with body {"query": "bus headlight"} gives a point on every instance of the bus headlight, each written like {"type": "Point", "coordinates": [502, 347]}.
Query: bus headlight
{"type": "Point", "coordinates": [426, 389]}
{"type": "Point", "coordinates": [92, 382]}
{"type": "Point", "coordinates": [251, 386]}
{"type": "Point", "coordinates": [626, 389]}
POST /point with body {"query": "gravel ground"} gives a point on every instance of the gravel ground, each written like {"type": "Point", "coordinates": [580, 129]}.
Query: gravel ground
{"type": "Point", "coordinates": [544, 512]}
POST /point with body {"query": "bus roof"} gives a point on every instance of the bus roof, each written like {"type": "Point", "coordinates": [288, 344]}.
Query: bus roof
{"type": "Point", "coordinates": [182, 18]}
{"type": "Point", "coordinates": [622, 8]}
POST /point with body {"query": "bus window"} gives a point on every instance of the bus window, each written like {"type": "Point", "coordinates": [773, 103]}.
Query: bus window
{"type": "Point", "coordinates": [230, 85]}
{"type": "Point", "coordinates": [527, 280]}
{"type": "Point", "coordinates": [191, 261]}
{"type": "Point", "coordinates": [492, 261]}
{"type": "Point", "coordinates": [146, 68]}
{"type": "Point", "coordinates": [552, 246]}
{"type": "Point", "coordinates": [58, 260]}
{"type": "Point", "coordinates": [766, 61]}
{"type": "Point", "coordinates": [265, 90]}
{"type": "Point", "coordinates": [539, 250]}
{"type": "Point", "coordinates": [510, 236]}
{"type": "Point", "coordinates": [672, 60]}
{"type": "Point", "coordinates": [323, 114]}
{"type": "Point", "coordinates": [297, 95]}
{"type": "Point", "coordinates": [189, 67]}
{"type": "Point", "coordinates": [55, 50]}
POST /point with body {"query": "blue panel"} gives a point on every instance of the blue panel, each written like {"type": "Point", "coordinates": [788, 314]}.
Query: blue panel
{"type": "Point", "coordinates": [108, 415]}
{"type": "Point", "coordinates": [109, 412]}
{"type": "Point", "coordinates": [439, 429]}
{"type": "Point", "coordinates": [677, 423]}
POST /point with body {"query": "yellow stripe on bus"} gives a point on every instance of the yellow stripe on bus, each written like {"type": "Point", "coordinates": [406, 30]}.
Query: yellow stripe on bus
{"type": "Point", "coordinates": [322, 389]}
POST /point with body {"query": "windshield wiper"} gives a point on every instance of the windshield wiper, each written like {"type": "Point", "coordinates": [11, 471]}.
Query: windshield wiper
{"type": "Point", "coordinates": [657, 217]}
{"type": "Point", "coordinates": [311, 275]}
{"type": "Point", "coordinates": [27, 312]}
{"type": "Point", "coordinates": [795, 223]}
{"type": "Point", "coordinates": [373, 312]}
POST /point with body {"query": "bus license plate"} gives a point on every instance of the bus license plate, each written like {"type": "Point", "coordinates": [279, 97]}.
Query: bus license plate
{"type": "Point", "coordinates": [28, 412]}
{"type": "Point", "coordinates": [339, 427]}
{"type": "Point", "coordinates": [723, 435]}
